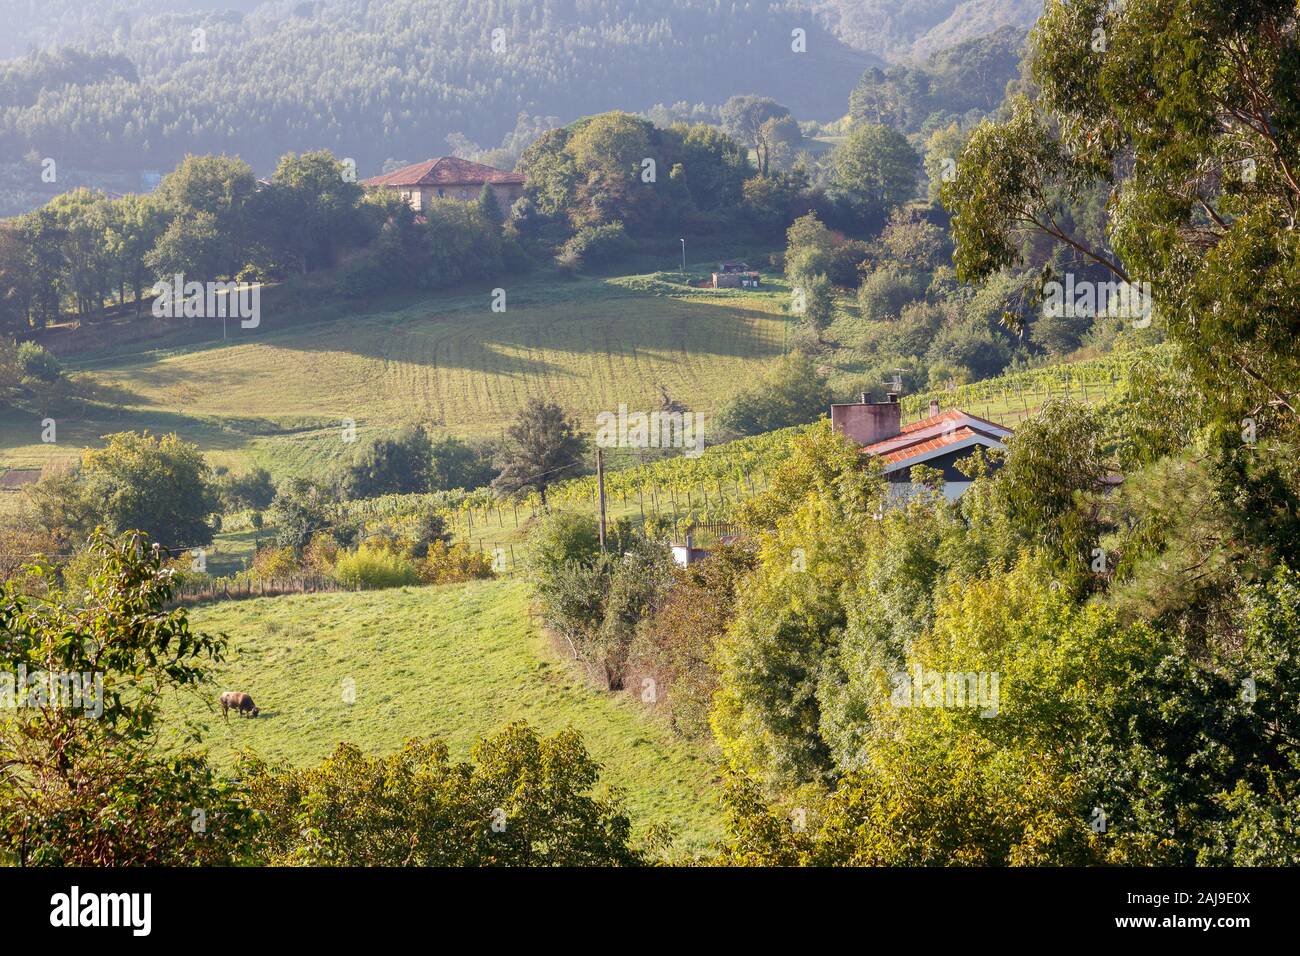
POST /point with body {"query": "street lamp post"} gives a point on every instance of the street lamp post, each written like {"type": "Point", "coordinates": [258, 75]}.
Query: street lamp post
{"type": "Point", "coordinates": [683, 255]}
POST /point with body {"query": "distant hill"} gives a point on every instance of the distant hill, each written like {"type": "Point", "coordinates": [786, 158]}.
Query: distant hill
{"type": "Point", "coordinates": [914, 29]}
{"type": "Point", "coordinates": [388, 79]}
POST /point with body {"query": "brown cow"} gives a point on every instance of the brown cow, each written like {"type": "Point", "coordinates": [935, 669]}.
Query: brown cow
{"type": "Point", "coordinates": [238, 700]}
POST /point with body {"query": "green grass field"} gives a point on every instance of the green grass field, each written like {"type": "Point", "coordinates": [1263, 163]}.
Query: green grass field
{"type": "Point", "coordinates": [277, 396]}
{"type": "Point", "coordinates": [456, 662]}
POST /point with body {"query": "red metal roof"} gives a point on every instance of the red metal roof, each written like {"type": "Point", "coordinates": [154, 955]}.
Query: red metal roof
{"type": "Point", "coordinates": [931, 435]}
{"type": "Point", "coordinates": [445, 171]}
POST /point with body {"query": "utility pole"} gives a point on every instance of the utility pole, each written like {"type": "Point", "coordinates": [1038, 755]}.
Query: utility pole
{"type": "Point", "coordinates": [600, 493]}
{"type": "Point", "coordinates": [683, 255]}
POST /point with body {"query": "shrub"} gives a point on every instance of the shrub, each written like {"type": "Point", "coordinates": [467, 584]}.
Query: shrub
{"type": "Point", "coordinates": [792, 393]}
{"type": "Point", "coordinates": [375, 567]}
{"type": "Point", "coordinates": [437, 813]}
{"type": "Point", "coordinates": [394, 465]}
{"type": "Point", "coordinates": [883, 294]}
{"type": "Point", "coordinates": [251, 490]}
{"type": "Point", "coordinates": [275, 562]}
{"type": "Point", "coordinates": [452, 564]}
{"type": "Point", "coordinates": [39, 364]}
{"type": "Point", "coordinates": [594, 246]}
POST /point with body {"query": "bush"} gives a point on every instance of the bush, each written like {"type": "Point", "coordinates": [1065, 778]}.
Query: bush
{"type": "Point", "coordinates": [252, 490]}
{"type": "Point", "coordinates": [594, 246]}
{"type": "Point", "coordinates": [883, 294]}
{"type": "Point", "coordinates": [39, 364]}
{"type": "Point", "coordinates": [375, 567]}
{"type": "Point", "coordinates": [437, 813]}
{"type": "Point", "coordinates": [458, 464]}
{"type": "Point", "coordinates": [275, 562]}
{"type": "Point", "coordinates": [396, 465]}
{"type": "Point", "coordinates": [563, 538]}
{"type": "Point", "coordinates": [452, 564]}
{"type": "Point", "coordinates": [792, 393]}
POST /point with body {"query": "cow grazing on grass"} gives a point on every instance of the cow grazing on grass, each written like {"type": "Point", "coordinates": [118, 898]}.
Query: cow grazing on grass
{"type": "Point", "coordinates": [241, 702]}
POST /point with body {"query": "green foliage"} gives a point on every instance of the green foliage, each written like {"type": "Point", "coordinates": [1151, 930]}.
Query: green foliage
{"type": "Point", "coordinates": [83, 783]}
{"type": "Point", "coordinates": [793, 392]}
{"type": "Point", "coordinates": [458, 464]}
{"type": "Point", "coordinates": [883, 294]}
{"type": "Point", "coordinates": [38, 363]}
{"type": "Point", "coordinates": [1054, 458]}
{"type": "Point", "coordinates": [161, 486]}
{"type": "Point", "coordinates": [876, 169]}
{"type": "Point", "coordinates": [812, 526]}
{"type": "Point", "coordinates": [1220, 260]}
{"type": "Point", "coordinates": [251, 490]}
{"type": "Point", "coordinates": [676, 644]}
{"type": "Point", "coordinates": [299, 510]}
{"type": "Point", "coordinates": [542, 446]}
{"type": "Point", "coordinates": [388, 466]}
{"type": "Point", "coordinates": [521, 800]}
{"type": "Point", "coordinates": [595, 246]}
{"type": "Point", "coordinates": [374, 566]}
{"type": "Point", "coordinates": [594, 599]}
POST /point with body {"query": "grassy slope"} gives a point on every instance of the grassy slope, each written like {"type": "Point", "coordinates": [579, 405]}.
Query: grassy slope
{"type": "Point", "coordinates": [457, 662]}
{"type": "Point", "coordinates": [276, 395]}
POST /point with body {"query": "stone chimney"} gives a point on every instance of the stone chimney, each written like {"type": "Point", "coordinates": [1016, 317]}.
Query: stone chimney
{"type": "Point", "coordinates": [934, 407]}
{"type": "Point", "coordinates": [867, 422]}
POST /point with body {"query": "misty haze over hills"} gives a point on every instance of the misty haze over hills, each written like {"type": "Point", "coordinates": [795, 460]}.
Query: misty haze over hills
{"type": "Point", "coordinates": [383, 79]}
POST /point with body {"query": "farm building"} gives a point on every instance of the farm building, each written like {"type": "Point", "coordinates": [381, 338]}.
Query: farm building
{"type": "Point", "coordinates": [735, 275]}
{"type": "Point", "coordinates": [450, 177]}
{"type": "Point", "coordinates": [938, 441]}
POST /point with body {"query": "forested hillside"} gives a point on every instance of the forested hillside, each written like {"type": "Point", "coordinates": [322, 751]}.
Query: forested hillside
{"type": "Point", "coordinates": [391, 79]}
{"type": "Point", "coordinates": [907, 29]}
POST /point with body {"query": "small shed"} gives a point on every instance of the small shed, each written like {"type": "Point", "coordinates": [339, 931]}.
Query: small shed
{"type": "Point", "coordinates": [736, 280]}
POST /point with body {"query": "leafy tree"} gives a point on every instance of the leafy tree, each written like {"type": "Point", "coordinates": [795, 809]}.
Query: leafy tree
{"type": "Point", "coordinates": [1054, 458]}
{"type": "Point", "coordinates": [521, 800]}
{"type": "Point", "coordinates": [489, 209]}
{"type": "Point", "coordinates": [211, 200]}
{"type": "Point", "coordinates": [16, 285]}
{"type": "Point", "coordinates": [813, 528]}
{"type": "Point", "coordinates": [876, 169]}
{"type": "Point", "coordinates": [251, 490]}
{"type": "Point", "coordinates": [716, 166]}
{"type": "Point", "coordinates": [159, 485]}
{"type": "Point", "coordinates": [543, 446]}
{"type": "Point", "coordinates": [792, 392]}
{"type": "Point", "coordinates": [772, 202]}
{"type": "Point", "coordinates": [1199, 159]}
{"type": "Point", "coordinates": [746, 118]}
{"type": "Point", "coordinates": [314, 209]}
{"type": "Point", "coordinates": [458, 464]}
{"type": "Point", "coordinates": [299, 510]}
{"type": "Point", "coordinates": [398, 465]}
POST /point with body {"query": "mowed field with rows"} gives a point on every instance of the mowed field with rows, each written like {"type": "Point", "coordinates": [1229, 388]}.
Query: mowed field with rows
{"type": "Point", "coordinates": [277, 396]}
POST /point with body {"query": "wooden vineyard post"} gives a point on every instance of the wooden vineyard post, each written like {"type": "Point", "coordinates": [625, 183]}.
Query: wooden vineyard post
{"type": "Point", "coordinates": [600, 492]}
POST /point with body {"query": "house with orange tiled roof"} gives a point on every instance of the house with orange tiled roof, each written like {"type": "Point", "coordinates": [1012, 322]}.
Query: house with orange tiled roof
{"type": "Point", "coordinates": [449, 177]}
{"type": "Point", "coordinates": [938, 441]}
